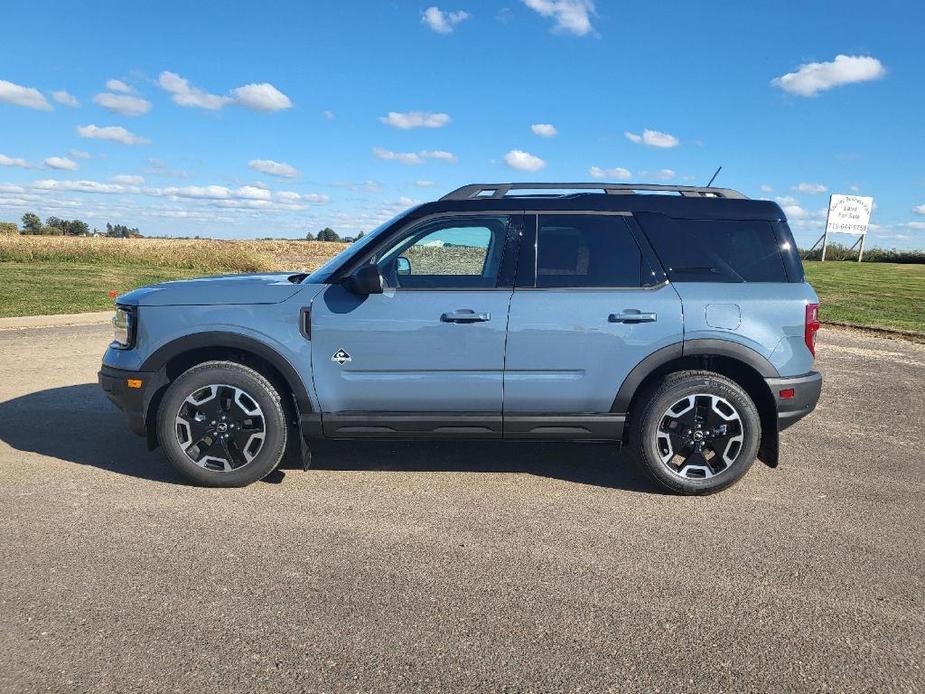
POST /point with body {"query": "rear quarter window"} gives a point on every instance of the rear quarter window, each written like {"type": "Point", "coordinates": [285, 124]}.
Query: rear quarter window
{"type": "Point", "coordinates": [715, 251]}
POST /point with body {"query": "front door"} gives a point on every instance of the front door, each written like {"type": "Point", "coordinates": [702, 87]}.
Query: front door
{"type": "Point", "coordinates": [588, 307]}
{"type": "Point", "coordinates": [425, 357]}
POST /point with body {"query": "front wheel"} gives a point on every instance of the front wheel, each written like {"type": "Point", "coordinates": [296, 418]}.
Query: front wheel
{"type": "Point", "coordinates": [222, 424]}
{"type": "Point", "coordinates": [696, 432]}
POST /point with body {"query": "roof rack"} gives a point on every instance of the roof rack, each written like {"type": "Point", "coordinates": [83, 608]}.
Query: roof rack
{"type": "Point", "coordinates": [502, 190]}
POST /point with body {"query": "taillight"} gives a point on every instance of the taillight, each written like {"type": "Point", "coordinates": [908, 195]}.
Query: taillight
{"type": "Point", "coordinates": [811, 327]}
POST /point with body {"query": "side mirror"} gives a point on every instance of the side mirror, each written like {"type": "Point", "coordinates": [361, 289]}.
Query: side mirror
{"type": "Point", "coordinates": [402, 266]}
{"type": "Point", "coordinates": [365, 280]}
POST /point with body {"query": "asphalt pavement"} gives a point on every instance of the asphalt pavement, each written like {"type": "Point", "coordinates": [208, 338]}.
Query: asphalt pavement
{"type": "Point", "coordinates": [459, 566]}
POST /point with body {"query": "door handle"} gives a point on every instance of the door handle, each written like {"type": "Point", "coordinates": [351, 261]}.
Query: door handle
{"type": "Point", "coordinates": [632, 315]}
{"type": "Point", "coordinates": [465, 315]}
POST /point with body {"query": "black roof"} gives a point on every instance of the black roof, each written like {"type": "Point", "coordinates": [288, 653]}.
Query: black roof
{"type": "Point", "coordinates": [676, 206]}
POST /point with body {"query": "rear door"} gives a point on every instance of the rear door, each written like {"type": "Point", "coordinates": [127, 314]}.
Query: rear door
{"type": "Point", "coordinates": [425, 357]}
{"type": "Point", "coordinates": [587, 307]}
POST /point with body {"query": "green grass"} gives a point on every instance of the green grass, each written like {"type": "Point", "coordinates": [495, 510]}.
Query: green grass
{"type": "Point", "coordinates": [44, 288]}
{"type": "Point", "coordinates": [867, 294]}
{"type": "Point", "coordinates": [882, 295]}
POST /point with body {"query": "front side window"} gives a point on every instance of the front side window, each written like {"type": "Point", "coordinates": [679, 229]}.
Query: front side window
{"type": "Point", "coordinates": [586, 251]}
{"type": "Point", "coordinates": [325, 271]}
{"type": "Point", "coordinates": [458, 253]}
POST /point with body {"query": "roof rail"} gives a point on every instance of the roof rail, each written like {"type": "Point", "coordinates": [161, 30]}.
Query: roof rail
{"type": "Point", "coordinates": [502, 190]}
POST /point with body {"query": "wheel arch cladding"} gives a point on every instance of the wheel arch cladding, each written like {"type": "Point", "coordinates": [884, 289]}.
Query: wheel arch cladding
{"type": "Point", "coordinates": [179, 355]}
{"type": "Point", "coordinates": [742, 364]}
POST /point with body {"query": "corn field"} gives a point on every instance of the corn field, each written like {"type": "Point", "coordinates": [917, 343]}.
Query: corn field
{"type": "Point", "coordinates": [205, 255]}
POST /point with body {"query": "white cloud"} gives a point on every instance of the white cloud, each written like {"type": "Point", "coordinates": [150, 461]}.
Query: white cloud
{"type": "Point", "coordinates": [195, 192]}
{"type": "Point", "coordinates": [523, 161]}
{"type": "Point", "coordinates": [246, 197]}
{"type": "Point", "coordinates": [795, 212]}
{"type": "Point", "coordinates": [617, 173]}
{"type": "Point", "coordinates": [253, 193]}
{"type": "Point", "coordinates": [63, 97]}
{"type": "Point", "coordinates": [414, 158]}
{"type": "Point", "coordinates": [18, 95]}
{"type": "Point", "coordinates": [273, 168]}
{"type": "Point", "coordinates": [570, 16]}
{"type": "Point", "coordinates": [440, 155]}
{"type": "Point", "coordinates": [158, 167]}
{"type": "Point", "coordinates": [443, 22]}
{"type": "Point", "coordinates": [262, 97]}
{"type": "Point", "coordinates": [812, 78]}
{"type": "Point", "coordinates": [415, 119]}
{"type": "Point", "coordinates": [653, 138]}
{"type": "Point", "coordinates": [544, 129]}
{"type": "Point", "coordinates": [799, 215]}
{"type": "Point", "coordinates": [81, 186]}
{"type": "Point", "coordinates": [79, 154]}
{"type": "Point", "coordinates": [259, 97]}
{"type": "Point", "coordinates": [128, 180]}
{"type": "Point", "coordinates": [919, 209]}
{"type": "Point", "coordinates": [116, 133]}
{"type": "Point", "coordinates": [810, 188]}
{"type": "Point", "coordinates": [660, 174]}
{"type": "Point", "coordinates": [118, 86]}
{"type": "Point", "coordinates": [61, 163]}
{"type": "Point", "coordinates": [123, 104]}
{"type": "Point", "coordinates": [765, 188]}
{"type": "Point", "coordinates": [328, 115]}
{"type": "Point", "coordinates": [185, 94]}
{"type": "Point", "coordinates": [409, 158]}
{"type": "Point", "coordinates": [431, 184]}
{"type": "Point", "coordinates": [14, 161]}
{"type": "Point", "coordinates": [289, 196]}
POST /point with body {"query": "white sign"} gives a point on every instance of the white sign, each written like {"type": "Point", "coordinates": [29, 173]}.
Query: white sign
{"type": "Point", "coordinates": [848, 214]}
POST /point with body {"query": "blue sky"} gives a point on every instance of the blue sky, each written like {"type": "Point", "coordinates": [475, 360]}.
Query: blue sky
{"type": "Point", "coordinates": [273, 118]}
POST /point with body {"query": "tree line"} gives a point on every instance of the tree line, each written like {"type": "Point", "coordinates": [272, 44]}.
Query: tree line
{"type": "Point", "coordinates": [55, 226]}
{"type": "Point", "coordinates": [328, 234]}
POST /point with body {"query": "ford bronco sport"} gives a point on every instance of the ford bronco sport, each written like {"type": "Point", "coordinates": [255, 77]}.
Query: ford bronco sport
{"type": "Point", "coordinates": [672, 319]}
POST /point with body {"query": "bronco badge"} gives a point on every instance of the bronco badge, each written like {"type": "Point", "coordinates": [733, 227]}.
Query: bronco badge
{"type": "Point", "coordinates": [340, 357]}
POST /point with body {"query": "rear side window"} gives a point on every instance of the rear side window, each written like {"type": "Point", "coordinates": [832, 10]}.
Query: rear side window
{"type": "Point", "coordinates": [586, 251]}
{"type": "Point", "coordinates": [715, 251]}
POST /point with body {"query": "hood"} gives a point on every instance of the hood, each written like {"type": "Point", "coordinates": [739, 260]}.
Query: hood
{"type": "Point", "coordinates": [217, 291]}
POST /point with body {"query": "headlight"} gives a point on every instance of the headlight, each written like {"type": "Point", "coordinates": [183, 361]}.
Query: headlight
{"type": "Point", "coordinates": [123, 328]}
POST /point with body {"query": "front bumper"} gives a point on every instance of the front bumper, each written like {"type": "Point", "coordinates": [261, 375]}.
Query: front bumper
{"type": "Point", "coordinates": [134, 401]}
{"type": "Point", "coordinates": [806, 391]}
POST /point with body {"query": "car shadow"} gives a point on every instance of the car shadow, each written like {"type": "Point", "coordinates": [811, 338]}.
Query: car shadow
{"type": "Point", "coordinates": [596, 464]}
{"type": "Point", "coordinates": [78, 424]}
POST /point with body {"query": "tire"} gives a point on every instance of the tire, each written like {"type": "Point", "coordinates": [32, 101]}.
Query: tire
{"type": "Point", "coordinates": [222, 424]}
{"type": "Point", "coordinates": [695, 432]}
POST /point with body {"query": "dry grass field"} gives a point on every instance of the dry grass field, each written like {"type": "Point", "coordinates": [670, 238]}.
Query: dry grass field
{"type": "Point", "coordinates": [201, 255]}
{"type": "Point", "coordinates": [446, 260]}
{"type": "Point", "coordinates": [42, 275]}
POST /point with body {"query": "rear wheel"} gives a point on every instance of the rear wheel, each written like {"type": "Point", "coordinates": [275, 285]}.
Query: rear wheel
{"type": "Point", "coordinates": [222, 424]}
{"type": "Point", "coordinates": [696, 432]}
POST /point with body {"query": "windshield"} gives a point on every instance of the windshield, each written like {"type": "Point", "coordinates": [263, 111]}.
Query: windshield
{"type": "Point", "coordinates": [323, 273]}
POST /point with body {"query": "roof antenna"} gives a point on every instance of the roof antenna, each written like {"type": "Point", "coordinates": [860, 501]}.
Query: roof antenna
{"type": "Point", "coordinates": [714, 177]}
